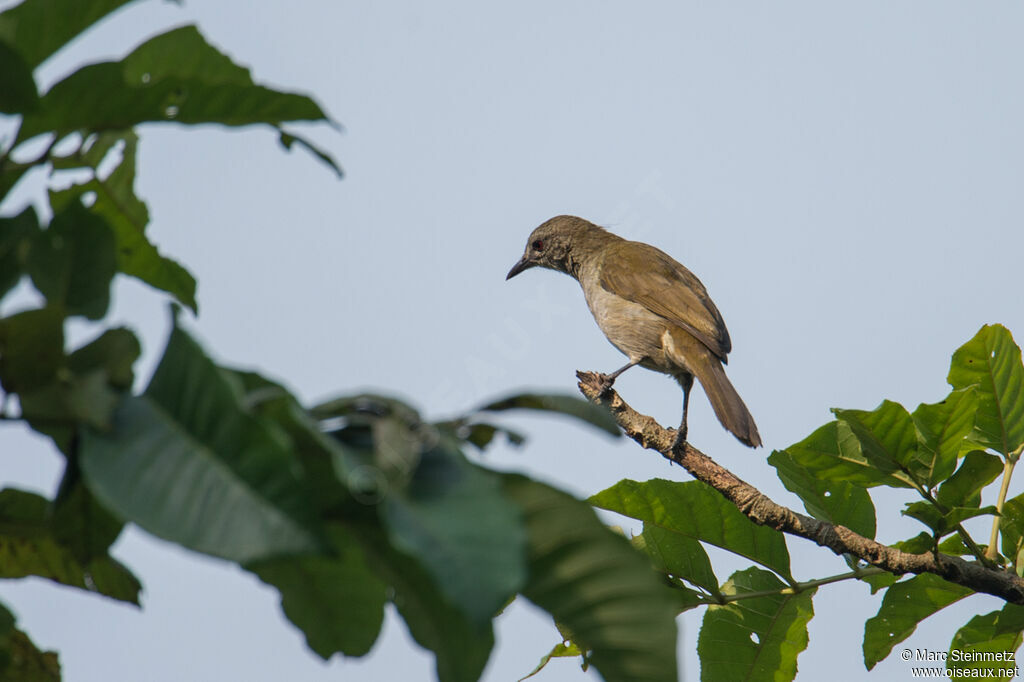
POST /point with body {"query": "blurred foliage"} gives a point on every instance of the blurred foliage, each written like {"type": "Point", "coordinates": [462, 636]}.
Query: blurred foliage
{"type": "Point", "coordinates": [343, 507]}
{"type": "Point", "coordinates": [358, 502]}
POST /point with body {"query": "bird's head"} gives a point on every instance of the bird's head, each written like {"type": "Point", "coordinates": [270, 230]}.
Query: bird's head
{"type": "Point", "coordinates": [554, 243]}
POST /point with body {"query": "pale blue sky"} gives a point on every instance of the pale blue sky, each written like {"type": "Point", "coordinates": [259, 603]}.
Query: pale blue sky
{"type": "Point", "coordinates": [844, 177]}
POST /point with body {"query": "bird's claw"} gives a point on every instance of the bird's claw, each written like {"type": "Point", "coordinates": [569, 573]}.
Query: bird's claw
{"type": "Point", "coordinates": [679, 441]}
{"type": "Point", "coordinates": [605, 384]}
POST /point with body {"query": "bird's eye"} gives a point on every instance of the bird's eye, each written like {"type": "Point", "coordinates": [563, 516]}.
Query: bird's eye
{"type": "Point", "coordinates": [538, 245]}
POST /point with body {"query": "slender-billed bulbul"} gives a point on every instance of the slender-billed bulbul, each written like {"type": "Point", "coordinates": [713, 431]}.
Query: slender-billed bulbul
{"type": "Point", "coordinates": [650, 307]}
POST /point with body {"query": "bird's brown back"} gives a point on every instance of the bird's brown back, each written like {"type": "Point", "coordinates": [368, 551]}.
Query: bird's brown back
{"type": "Point", "coordinates": [648, 276]}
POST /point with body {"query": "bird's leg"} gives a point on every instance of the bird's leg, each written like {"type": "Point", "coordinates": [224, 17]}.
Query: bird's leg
{"type": "Point", "coordinates": [608, 379]}
{"type": "Point", "coordinates": [686, 381]}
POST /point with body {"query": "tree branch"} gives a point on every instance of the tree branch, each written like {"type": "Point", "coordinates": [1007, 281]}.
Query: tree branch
{"type": "Point", "coordinates": [761, 510]}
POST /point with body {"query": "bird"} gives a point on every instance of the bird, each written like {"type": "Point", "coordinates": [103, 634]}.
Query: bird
{"type": "Point", "coordinates": [650, 307]}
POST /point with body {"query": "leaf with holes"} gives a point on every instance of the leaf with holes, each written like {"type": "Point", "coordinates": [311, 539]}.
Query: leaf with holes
{"type": "Point", "coordinates": [175, 76]}
{"type": "Point", "coordinates": [904, 605]}
{"type": "Point", "coordinates": [838, 502]}
{"type": "Point", "coordinates": [986, 645]}
{"type": "Point", "coordinates": [754, 638]}
{"type": "Point", "coordinates": [991, 361]}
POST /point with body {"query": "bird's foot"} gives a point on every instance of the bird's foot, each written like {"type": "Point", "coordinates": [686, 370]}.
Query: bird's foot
{"type": "Point", "coordinates": [679, 441]}
{"type": "Point", "coordinates": [606, 383]}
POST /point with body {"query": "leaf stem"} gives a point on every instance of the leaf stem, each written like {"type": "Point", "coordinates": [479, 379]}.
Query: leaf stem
{"type": "Point", "coordinates": [1008, 465]}
{"type": "Point", "coordinates": [960, 530]}
{"type": "Point", "coordinates": [799, 587]}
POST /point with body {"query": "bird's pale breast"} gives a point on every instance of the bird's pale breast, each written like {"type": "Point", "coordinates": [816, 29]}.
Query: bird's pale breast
{"type": "Point", "coordinates": [630, 327]}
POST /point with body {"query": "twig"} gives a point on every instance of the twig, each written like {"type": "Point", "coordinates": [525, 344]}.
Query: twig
{"type": "Point", "coordinates": [763, 511]}
{"type": "Point", "coordinates": [968, 541]}
{"type": "Point", "coordinates": [1008, 465]}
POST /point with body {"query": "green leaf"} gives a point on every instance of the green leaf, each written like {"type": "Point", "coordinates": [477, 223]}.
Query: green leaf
{"type": "Point", "coordinates": [38, 28]}
{"type": "Point", "coordinates": [31, 349]}
{"type": "Point", "coordinates": [480, 434]}
{"type": "Point", "coordinates": [756, 638]}
{"type": "Point", "coordinates": [570, 405]}
{"type": "Point", "coordinates": [460, 646]}
{"type": "Point", "coordinates": [991, 361]}
{"type": "Point", "coordinates": [599, 587]}
{"type": "Point", "coordinates": [182, 53]}
{"type": "Point", "coordinates": [994, 636]}
{"type": "Point", "coordinates": [1011, 526]}
{"type": "Point", "coordinates": [176, 76]}
{"type": "Point", "coordinates": [289, 139]}
{"type": "Point", "coordinates": [919, 544]}
{"type": "Point", "coordinates": [128, 217]}
{"type": "Point", "coordinates": [904, 605]}
{"type": "Point", "coordinates": [943, 427]}
{"type": "Point", "coordinates": [833, 453]}
{"type": "Point", "coordinates": [954, 545]}
{"type": "Point", "coordinates": [85, 390]}
{"type": "Point", "coordinates": [28, 546]}
{"type": "Point", "coordinates": [95, 149]}
{"type": "Point", "coordinates": [678, 556]}
{"type": "Point", "coordinates": [55, 409]}
{"type": "Point", "coordinates": [186, 462]}
{"type": "Point", "coordinates": [114, 351]}
{"type": "Point", "coordinates": [337, 602]}
{"type": "Point", "coordinates": [16, 233]}
{"type": "Point", "coordinates": [560, 650]}
{"type": "Point", "coordinates": [365, 404]}
{"type": "Point", "coordinates": [316, 450]}
{"type": "Point", "coordinates": [695, 510]}
{"type": "Point", "coordinates": [838, 502]}
{"type": "Point", "coordinates": [79, 522]}
{"type": "Point", "coordinates": [888, 439]}
{"type": "Point", "coordinates": [454, 517]}
{"type": "Point", "coordinates": [73, 261]}
{"type": "Point", "coordinates": [879, 581]}
{"type": "Point", "coordinates": [686, 599]}
{"type": "Point", "coordinates": [941, 522]}
{"type": "Point", "coordinates": [17, 86]}
{"type": "Point", "coordinates": [963, 489]}
{"type": "Point", "coordinates": [20, 659]}
{"type": "Point", "coordinates": [10, 174]}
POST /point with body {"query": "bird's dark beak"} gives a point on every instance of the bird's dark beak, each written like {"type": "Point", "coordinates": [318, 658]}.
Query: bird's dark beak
{"type": "Point", "coordinates": [524, 264]}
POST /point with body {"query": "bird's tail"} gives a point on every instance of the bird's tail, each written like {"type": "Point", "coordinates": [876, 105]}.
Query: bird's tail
{"type": "Point", "coordinates": [729, 407]}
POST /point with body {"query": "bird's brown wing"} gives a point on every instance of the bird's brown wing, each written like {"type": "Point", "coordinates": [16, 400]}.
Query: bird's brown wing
{"type": "Point", "coordinates": [643, 274]}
